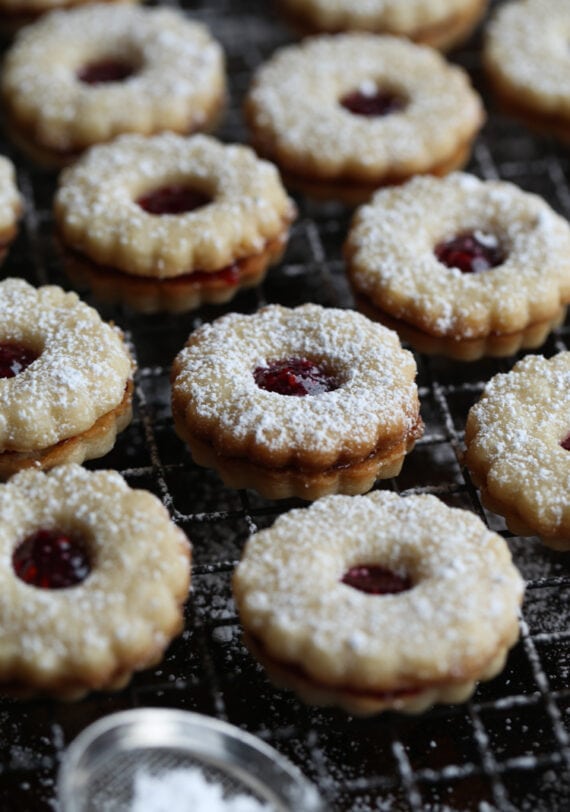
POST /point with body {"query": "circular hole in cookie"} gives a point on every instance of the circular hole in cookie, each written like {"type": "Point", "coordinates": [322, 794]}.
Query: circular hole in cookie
{"type": "Point", "coordinates": [51, 559]}
{"type": "Point", "coordinates": [471, 251]}
{"type": "Point", "coordinates": [372, 101]}
{"type": "Point", "coordinates": [173, 199]}
{"type": "Point", "coordinates": [15, 358]}
{"type": "Point", "coordinates": [565, 443]}
{"type": "Point", "coordinates": [105, 71]}
{"type": "Point", "coordinates": [375, 579]}
{"type": "Point", "coordinates": [295, 376]}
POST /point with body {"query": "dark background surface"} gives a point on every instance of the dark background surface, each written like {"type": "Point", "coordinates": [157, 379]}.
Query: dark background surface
{"type": "Point", "coordinates": [508, 748]}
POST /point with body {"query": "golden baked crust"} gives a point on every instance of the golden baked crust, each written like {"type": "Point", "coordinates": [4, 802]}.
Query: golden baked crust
{"type": "Point", "coordinates": [368, 652]}
{"type": "Point", "coordinates": [97, 213]}
{"type": "Point", "coordinates": [304, 446]}
{"type": "Point", "coordinates": [316, 138]}
{"type": "Point", "coordinates": [513, 451]}
{"type": "Point", "coordinates": [525, 53]}
{"type": "Point", "coordinates": [11, 204]}
{"type": "Point", "coordinates": [391, 262]}
{"type": "Point", "coordinates": [129, 604]}
{"type": "Point", "coordinates": [439, 24]}
{"type": "Point", "coordinates": [178, 81]}
{"type": "Point", "coordinates": [82, 372]}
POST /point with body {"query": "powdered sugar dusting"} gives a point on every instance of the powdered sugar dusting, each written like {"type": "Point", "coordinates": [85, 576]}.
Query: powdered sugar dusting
{"type": "Point", "coordinates": [391, 256]}
{"type": "Point", "coordinates": [376, 401]}
{"type": "Point", "coordinates": [189, 789]}
{"type": "Point", "coordinates": [81, 372]}
{"type": "Point", "coordinates": [316, 134]}
{"type": "Point", "coordinates": [461, 609]}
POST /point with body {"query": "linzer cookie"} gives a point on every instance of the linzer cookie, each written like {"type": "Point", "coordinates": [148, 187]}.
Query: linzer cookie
{"type": "Point", "coordinates": [343, 115]}
{"type": "Point", "coordinates": [78, 540]}
{"type": "Point", "coordinates": [297, 402]}
{"type": "Point", "coordinates": [461, 266]}
{"type": "Point", "coordinates": [442, 23]}
{"type": "Point", "coordinates": [379, 602]}
{"type": "Point", "coordinates": [170, 223]}
{"type": "Point", "coordinates": [66, 379]}
{"type": "Point", "coordinates": [77, 78]}
{"type": "Point", "coordinates": [10, 205]}
{"type": "Point", "coordinates": [517, 439]}
{"type": "Point", "coordinates": [525, 55]}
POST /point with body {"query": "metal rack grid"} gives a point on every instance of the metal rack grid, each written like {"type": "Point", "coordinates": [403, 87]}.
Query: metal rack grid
{"type": "Point", "coordinates": [509, 747]}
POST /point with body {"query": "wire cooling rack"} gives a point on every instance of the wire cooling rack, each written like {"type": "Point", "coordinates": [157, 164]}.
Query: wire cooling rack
{"type": "Point", "coordinates": [509, 747]}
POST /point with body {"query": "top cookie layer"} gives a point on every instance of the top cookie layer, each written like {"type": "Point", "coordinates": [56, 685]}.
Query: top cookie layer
{"type": "Point", "coordinates": [390, 249]}
{"type": "Point", "coordinates": [10, 200]}
{"type": "Point", "coordinates": [526, 52]}
{"type": "Point", "coordinates": [177, 83]}
{"type": "Point", "coordinates": [376, 401]}
{"type": "Point", "coordinates": [97, 212]}
{"type": "Point", "coordinates": [296, 116]}
{"type": "Point", "coordinates": [80, 374]}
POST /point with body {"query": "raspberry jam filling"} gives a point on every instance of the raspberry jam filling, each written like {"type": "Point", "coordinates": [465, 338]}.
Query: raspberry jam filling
{"type": "Point", "coordinates": [294, 376]}
{"type": "Point", "coordinates": [105, 70]}
{"type": "Point", "coordinates": [51, 559]}
{"type": "Point", "coordinates": [376, 580]}
{"type": "Point", "coordinates": [173, 200]}
{"type": "Point", "coordinates": [565, 443]}
{"type": "Point", "coordinates": [471, 252]}
{"type": "Point", "coordinates": [371, 101]}
{"type": "Point", "coordinates": [14, 358]}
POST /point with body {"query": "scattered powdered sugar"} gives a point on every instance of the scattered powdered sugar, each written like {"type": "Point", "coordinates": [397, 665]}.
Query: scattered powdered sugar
{"type": "Point", "coordinates": [188, 790]}
{"type": "Point", "coordinates": [391, 256]}
{"type": "Point", "coordinates": [318, 136]}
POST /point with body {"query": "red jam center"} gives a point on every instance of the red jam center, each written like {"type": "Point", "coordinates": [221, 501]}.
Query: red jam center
{"type": "Point", "coordinates": [294, 376]}
{"type": "Point", "coordinates": [372, 101]}
{"type": "Point", "coordinates": [106, 70]}
{"type": "Point", "coordinates": [51, 560]}
{"type": "Point", "coordinates": [565, 443]}
{"type": "Point", "coordinates": [376, 580]}
{"type": "Point", "coordinates": [14, 358]}
{"type": "Point", "coordinates": [173, 200]}
{"type": "Point", "coordinates": [471, 252]}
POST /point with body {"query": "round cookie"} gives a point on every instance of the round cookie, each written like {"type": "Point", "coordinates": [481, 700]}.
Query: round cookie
{"type": "Point", "coordinates": [343, 115]}
{"type": "Point", "coordinates": [517, 439]}
{"type": "Point", "coordinates": [81, 77]}
{"type": "Point", "coordinates": [74, 538]}
{"type": "Point", "coordinates": [379, 602]}
{"type": "Point", "coordinates": [11, 205]}
{"type": "Point", "coordinates": [66, 379]}
{"type": "Point", "coordinates": [170, 223]}
{"type": "Point", "coordinates": [439, 24]}
{"type": "Point", "coordinates": [461, 266]}
{"type": "Point", "coordinates": [297, 402]}
{"type": "Point", "coordinates": [525, 56]}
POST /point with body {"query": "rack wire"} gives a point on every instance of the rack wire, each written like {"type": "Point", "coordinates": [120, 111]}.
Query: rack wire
{"type": "Point", "coordinates": [509, 747]}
